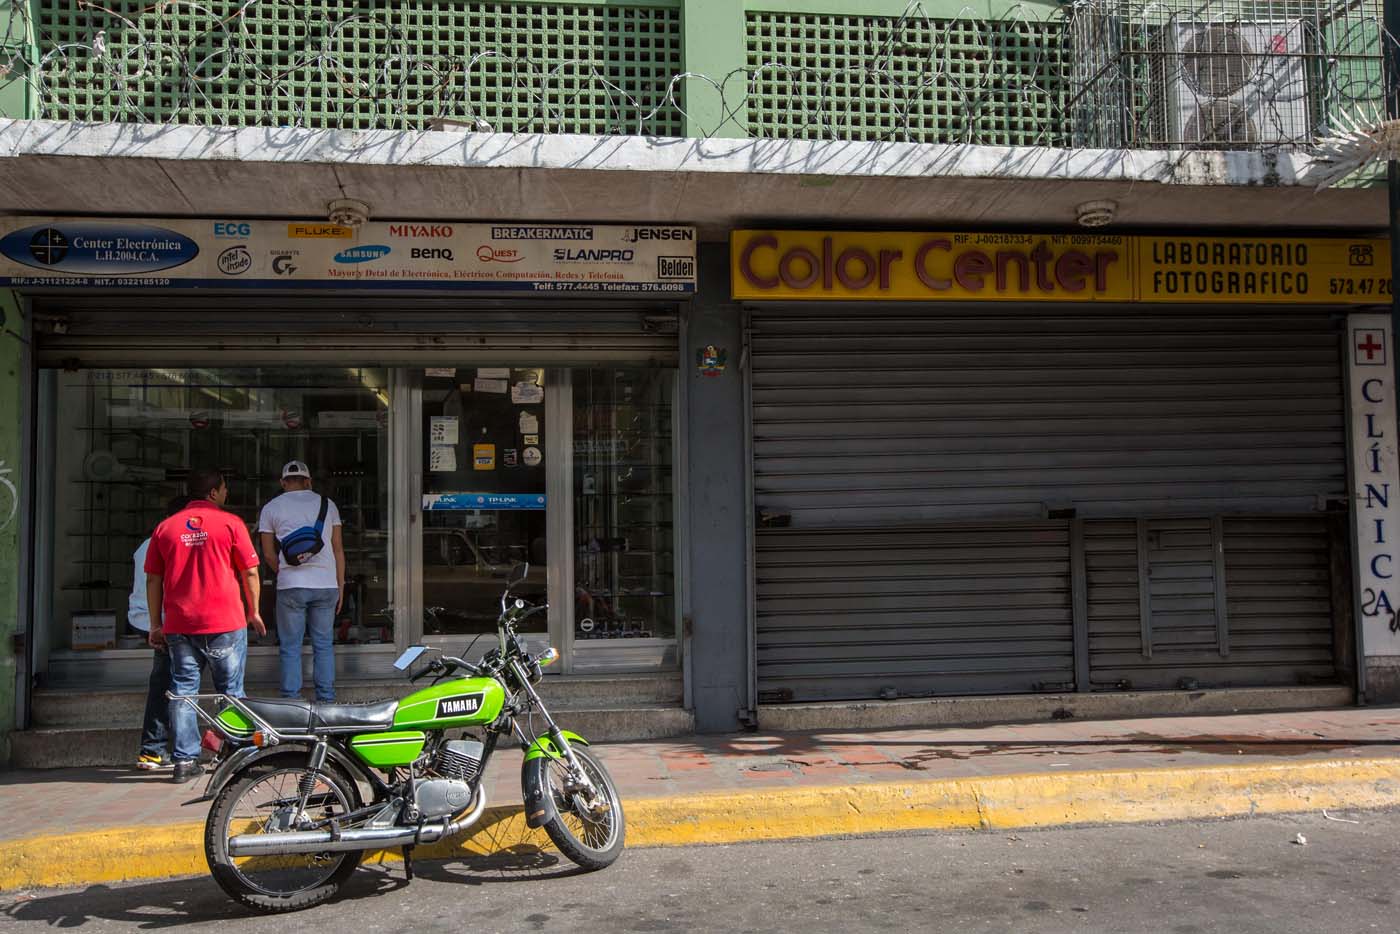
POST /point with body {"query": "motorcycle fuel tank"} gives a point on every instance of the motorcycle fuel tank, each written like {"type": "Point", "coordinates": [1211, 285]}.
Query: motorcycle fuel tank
{"type": "Point", "coordinates": [459, 702]}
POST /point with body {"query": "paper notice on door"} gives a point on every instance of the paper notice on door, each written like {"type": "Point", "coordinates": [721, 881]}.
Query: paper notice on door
{"type": "Point", "coordinates": [441, 371]}
{"type": "Point", "coordinates": [483, 457]}
{"type": "Point", "coordinates": [491, 385]}
{"type": "Point", "coordinates": [493, 372]}
{"type": "Point", "coordinates": [527, 394]}
{"type": "Point", "coordinates": [529, 424]}
{"type": "Point", "coordinates": [442, 458]}
{"type": "Point", "coordinates": [530, 439]}
{"type": "Point", "coordinates": [442, 429]}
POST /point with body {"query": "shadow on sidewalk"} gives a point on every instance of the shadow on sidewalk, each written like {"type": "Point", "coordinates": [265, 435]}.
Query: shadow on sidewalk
{"type": "Point", "coordinates": [177, 902]}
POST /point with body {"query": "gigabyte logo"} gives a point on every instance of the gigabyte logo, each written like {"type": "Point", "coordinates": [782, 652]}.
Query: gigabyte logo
{"type": "Point", "coordinates": [282, 263]}
{"type": "Point", "coordinates": [658, 233]}
{"type": "Point", "coordinates": [420, 230]}
{"type": "Point", "coordinates": [362, 254]}
{"type": "Point", "coordinates": [459, 705]}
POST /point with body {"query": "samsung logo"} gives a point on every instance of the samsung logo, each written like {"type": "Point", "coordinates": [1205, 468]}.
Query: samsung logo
{"type": "Point", "coordinates": [362, 254]}
{"type": "Point", "coordinates": [458, 706]}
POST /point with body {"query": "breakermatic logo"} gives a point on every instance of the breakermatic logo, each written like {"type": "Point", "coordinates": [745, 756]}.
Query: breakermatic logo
{"type": "Point", "coordinates": [98, 248]}
{"type": "Point", "coordinates": [436, 231]}
{"type": "Point", "coordinates": [459, 705]}
{"type": "Point", "coordinates": [640, 234]}
{"type": "Point", "coordinates": [541, 233]}
{"type": "Point", "coordinates": [363, 254]}
{"type": "Point", "coordinates": [235, 261]}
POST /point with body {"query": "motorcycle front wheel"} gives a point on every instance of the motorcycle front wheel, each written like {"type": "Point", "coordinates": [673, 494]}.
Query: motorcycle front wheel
{"type": "Point", "coordinates": [588, 831]}
{"type": "Point", "coordinates": [263, 800]}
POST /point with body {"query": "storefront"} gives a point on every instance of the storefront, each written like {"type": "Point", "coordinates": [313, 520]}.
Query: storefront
{"type": "Point", "coordinates": [469, 396]}
{"type": "Point", "coordinates": [1008, 463]}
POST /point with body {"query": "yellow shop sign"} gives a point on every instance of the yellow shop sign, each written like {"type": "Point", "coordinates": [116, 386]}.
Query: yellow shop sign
{"type": "Point", "coordinates": [780, 265]}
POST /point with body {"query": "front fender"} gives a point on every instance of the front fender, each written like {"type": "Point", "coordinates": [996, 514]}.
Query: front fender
{"type": "Point", "coordinates": [534, 782]}
{"type": "Point", "coordinates": [248, 756]}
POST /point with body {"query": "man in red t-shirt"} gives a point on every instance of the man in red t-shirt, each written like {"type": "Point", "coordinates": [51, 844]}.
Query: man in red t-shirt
{"type": "Point", "coordinates": [200, 569]}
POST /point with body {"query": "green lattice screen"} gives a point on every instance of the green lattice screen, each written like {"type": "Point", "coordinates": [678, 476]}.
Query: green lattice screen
{"type": "Point", "coordinates": [556, 67]}
{"type": "Point", "coordinates": [881, 78]}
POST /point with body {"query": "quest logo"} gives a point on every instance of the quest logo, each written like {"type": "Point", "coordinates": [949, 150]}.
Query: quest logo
{"type": "Point", "coordinates": [489, 254]}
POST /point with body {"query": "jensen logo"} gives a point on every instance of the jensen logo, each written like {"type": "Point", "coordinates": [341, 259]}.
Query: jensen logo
{"type": "Point", "coordinates": [459, 706]}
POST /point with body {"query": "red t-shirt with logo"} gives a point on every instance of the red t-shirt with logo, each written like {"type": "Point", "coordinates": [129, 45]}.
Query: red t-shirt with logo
{"type": "Point", "coordinates": [201, 552]}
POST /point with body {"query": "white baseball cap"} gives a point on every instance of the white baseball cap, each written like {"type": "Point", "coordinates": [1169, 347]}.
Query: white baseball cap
{"type": "Point", "coordinates": [296, 469]}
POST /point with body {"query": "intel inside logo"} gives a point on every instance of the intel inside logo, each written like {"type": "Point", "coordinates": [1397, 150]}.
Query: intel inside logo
{"type": "Point", "coordinates": [362, 254]}
{"type": "Point", "coordinates": [93, 247]}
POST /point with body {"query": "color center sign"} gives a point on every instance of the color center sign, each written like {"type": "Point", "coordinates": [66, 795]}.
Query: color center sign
{"type": "Point", "coordinates": [902, 266]}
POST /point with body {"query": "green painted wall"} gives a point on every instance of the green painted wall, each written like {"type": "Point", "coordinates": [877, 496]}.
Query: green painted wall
{"type": "Point", "coordinates": [11, 484]}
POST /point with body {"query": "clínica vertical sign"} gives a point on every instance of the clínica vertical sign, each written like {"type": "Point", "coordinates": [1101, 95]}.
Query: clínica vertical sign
{"type": "Point", "coordinates": [1375, 480]}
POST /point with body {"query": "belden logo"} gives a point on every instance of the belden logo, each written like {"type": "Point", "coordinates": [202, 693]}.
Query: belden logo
{"type": "Point", "coordinates": [459, 705]}
{"type": "Point", "coordinates": [363, 254]}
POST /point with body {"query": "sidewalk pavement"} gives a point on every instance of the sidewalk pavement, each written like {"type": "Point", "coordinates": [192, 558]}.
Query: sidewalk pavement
{"type": "Point", "coordinates": [82, 826]}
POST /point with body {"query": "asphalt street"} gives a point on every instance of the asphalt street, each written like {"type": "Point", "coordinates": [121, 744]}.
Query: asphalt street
{"type": "Point", "coordinates": [1230, 876]}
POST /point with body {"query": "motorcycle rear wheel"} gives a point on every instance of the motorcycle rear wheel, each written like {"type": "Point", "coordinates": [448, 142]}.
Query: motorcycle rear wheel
{"type": "Point", "coordinates": [255, 802]}
{"type": "Point", "coordinates": [590, 836]}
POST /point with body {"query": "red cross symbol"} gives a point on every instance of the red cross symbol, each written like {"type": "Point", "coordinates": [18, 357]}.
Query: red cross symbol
{"type": "Point", "coordinates": [1372, 344]}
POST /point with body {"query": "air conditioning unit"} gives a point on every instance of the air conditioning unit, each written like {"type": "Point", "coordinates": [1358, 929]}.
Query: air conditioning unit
{"type": "Point", "coordinates": [1237, 85]}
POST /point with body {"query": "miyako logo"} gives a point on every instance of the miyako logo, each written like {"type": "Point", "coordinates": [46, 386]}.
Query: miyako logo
{"type": "Point", "coordinates": [420, 230]}
{"type": "Point", "coordinates": [363, 254]}
{"type": "Point", "coordinates": [460, 705]}
{"type": "Point", "coordinates": [235, 261]}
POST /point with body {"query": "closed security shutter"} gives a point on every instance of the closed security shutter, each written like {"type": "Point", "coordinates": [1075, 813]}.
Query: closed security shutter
{"type": "Point", "coordinates": [391, 331]}
{"type": "Point", "coordinates": [1276, 577]}
{"type": "Point", "coordinates": [852, 612]}
{"type": "Point", "coordinates": [908, 419]}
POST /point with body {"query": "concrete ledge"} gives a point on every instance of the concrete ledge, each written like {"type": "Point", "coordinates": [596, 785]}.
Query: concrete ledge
{"type": "Point", "coordinates": [1001, 802]}
{"type": "Point", "coordinates": [972, 711]}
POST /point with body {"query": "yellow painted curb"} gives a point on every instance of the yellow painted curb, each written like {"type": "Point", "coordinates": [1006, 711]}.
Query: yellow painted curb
{"type": "Point", "coordinates": [997, 802]}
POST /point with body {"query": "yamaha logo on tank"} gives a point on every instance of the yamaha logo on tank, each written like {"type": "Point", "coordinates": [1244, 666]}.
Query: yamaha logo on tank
{"type": "Point", "coordinates": [459, 705]}
{"type": "Point", "coordinates": [96, 248]}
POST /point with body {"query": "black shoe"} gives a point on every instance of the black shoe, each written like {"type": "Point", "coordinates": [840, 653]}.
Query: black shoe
{"type": "Point", "coordinates": [187, 770]}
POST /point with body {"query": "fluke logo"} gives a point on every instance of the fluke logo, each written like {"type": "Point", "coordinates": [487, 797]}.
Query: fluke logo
{"type": "Point", "coordinates": [459, 706]}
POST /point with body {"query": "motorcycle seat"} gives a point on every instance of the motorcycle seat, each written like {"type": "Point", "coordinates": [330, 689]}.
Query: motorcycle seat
{"type": "Point", "coordinates": [299, 716]}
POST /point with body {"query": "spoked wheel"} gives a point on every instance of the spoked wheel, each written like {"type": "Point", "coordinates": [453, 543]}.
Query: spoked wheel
{"type": "Point", "coordinates": [588, 829]}
{"type": "Point", "coordinates": [264, 800]}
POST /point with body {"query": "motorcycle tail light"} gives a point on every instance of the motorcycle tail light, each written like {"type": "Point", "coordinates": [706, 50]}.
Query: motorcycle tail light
{"type": "Point", "coordinates": [212, 741]}
{"type": "Point", "coordinates": [259, 739]}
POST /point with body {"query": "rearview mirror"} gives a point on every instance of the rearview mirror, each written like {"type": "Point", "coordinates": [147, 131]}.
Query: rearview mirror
{"type": "Point", "coordinates": [409, 656]}
{"type": "Point", "coordinates": [517, 573]}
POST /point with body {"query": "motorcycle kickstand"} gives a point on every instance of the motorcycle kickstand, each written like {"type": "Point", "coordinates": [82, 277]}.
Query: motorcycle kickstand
{"type": "Point", "coordinates": [408, 862]}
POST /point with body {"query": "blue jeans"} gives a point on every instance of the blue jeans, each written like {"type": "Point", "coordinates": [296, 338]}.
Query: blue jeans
{"type": "Point", "coordinates": [155, 725]}
{"type": "Point", "coordinates": [297, 609]}
{"type": "Point", "coordinates": [224, 654]}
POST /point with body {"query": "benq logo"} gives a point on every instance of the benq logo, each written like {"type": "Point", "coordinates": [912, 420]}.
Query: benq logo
{"type": "Point", "coordinates": [362, 254]}
{"type": "Point", "coordinates": [235, 261]}
{"type": "Point", "coordinates": [460, 705]}
{"type": "Point", "coordinates": [430, 252]}
{"type": "Point", "coordinates": [232, 230]}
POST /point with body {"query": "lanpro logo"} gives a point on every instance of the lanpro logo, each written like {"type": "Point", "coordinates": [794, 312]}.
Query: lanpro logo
{"type": "Point", "coordinates": [363, 254]}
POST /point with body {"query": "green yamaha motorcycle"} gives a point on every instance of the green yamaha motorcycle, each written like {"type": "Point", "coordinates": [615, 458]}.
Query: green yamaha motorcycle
{"type": "Point", "coordinates": [300, 790]}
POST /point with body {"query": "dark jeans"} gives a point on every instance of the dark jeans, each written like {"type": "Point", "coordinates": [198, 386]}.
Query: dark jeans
{"type": "Point", "coordinates": [155, 727]}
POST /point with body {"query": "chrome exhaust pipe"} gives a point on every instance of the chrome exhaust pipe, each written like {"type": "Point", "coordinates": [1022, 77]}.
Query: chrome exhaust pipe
{"type": "Point", "coordinates": [319, 841]}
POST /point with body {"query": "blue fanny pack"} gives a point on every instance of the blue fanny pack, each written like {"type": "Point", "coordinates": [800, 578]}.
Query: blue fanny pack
{"type": "Point", "coordinates": [305, 543]}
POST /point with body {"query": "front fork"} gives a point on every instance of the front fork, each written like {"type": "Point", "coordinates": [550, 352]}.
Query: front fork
{"type": "Point", "coordinates": [578, 777]}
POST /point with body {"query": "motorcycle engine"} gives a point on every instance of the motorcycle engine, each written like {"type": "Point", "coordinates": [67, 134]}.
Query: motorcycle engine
{"type": "Point", "coordinates": [458, 762]}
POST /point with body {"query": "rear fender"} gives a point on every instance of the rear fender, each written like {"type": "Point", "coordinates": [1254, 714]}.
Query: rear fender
{"type": "Point", "coordinates": [247, 756]}
{"type": "Point", "coordinates": [534, 781]}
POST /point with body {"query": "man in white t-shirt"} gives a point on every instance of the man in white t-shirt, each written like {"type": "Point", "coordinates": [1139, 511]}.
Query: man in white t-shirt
{"type": "Point", "coordinates": [309, 593]}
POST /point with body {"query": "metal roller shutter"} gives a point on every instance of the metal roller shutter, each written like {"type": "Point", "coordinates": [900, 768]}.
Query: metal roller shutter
{"type": "Point", "coordinates": [386, 331]}
{"type": "Point", "coordinates": [909, 417]}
